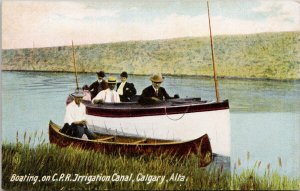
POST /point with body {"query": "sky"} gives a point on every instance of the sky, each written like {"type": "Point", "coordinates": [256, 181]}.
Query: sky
{"type": "Point", "coordinates": [45, 23]}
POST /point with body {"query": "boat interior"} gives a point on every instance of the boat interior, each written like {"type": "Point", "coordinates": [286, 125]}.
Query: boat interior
{"type": "Point", "coordinates": [135, 104]}
{"type": "Point", "coordinates": [116, 138]}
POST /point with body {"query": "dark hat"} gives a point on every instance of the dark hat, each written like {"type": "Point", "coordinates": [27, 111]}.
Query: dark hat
{"type": "Point", "coordinates": [157, 78]}
{"type": "Point", "coordinates": [111, 80]}
{"type": "Point", "coordinates": [77, 93]}
{"type": "Point", "coordinates": [101, 74]}
{"type": "Point", "coordinates": [124, 74]}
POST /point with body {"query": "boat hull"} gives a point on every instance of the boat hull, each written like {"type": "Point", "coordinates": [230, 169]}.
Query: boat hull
{"type": "Point", "coordinates": [133, 146]}
{"type": "Point", "coordinates": [183, 122]}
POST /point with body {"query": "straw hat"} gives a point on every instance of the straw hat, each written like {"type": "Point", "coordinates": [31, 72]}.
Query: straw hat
{"type": "Point", "coordinates": [157, 78]}
{"type": "Point", "coordinates": [77, 93]}
{"type": "Point", "coordinates": [111, 80]}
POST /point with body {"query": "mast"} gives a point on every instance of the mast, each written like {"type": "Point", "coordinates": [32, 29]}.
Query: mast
{"type": "Point", "coordinates": [32, 56]}
{"type": "Point", "coordinates": [77, 87]}
{"type": "Point", "coordinates": [213, 57]}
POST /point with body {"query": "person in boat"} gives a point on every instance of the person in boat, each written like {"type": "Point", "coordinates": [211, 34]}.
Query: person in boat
{"type": "Point", "coordinates": [155, 92]}
{"type": "Point", "coordinates": [109, 95]}
{"type": "Point", "coordinates": [87, 93]}
{"type": "Point", "coordinates": [75, 118]}
{"type": "Point", "coordinates": [125, 89]}
{"type": "Point", "coordinates": [98, 85]}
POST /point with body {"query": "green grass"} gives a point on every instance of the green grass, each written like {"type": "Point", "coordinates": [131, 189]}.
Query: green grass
{"type": "Point", "coordinates": [264, 55]}
{"type": "Point", "coordinates": [45, 160]}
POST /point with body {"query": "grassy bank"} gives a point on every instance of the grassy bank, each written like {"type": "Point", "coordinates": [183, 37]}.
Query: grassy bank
{"type": "Point", "coordinates": [47, 160]}
{"type": "Point", "coordinates": [264, 56]}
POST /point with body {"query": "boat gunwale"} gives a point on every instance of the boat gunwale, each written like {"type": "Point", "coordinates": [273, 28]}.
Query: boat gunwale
{"type": "Point", "coordinates": [160, 105]}
{"type": "Point", "coordinates": [56, 128]}
{"type": "Point", "coordinates": [115, 111]}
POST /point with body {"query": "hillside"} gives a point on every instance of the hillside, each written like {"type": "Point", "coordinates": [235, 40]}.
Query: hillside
{"type": "Point", "coordinates": [265, 55]}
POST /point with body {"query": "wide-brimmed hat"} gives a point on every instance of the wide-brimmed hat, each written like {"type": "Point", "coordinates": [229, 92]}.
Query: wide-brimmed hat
{"type": "Point", "coordinates": [77, 93]}
{"type": "Point", "coordinates": [157, 78]}
{"type": "Point", "coordinates": [111, 80]}
{"type": "Point", "coordinates": [101, 74]}
{"type": "Point", "coordinates": [124, 74]}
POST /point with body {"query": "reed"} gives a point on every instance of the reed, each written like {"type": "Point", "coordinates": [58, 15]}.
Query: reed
{"type": "Point", "coordinates": [45, 159]}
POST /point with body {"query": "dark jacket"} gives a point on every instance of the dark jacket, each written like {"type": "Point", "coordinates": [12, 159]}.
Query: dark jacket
{"type": "Point", "coordinates": [149, 92]}
{"type": "Point", "coordinates": [128, 91]}
{"type": "Point", "coordinates": [96, 87]}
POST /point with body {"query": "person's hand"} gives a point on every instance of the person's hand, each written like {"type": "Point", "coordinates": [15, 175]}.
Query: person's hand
{"type": "Point", "coordinates": [97, 101]}
{"type": "Point", "coordinates": [83, 122]}
{"type": "Point", "coordinates": [176, 96]}
{"type": "Point", "coordinates": [155, 98]}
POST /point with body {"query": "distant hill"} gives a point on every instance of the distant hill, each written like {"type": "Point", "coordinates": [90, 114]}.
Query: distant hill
{"type": "Point", "coordinates": [264, 55]}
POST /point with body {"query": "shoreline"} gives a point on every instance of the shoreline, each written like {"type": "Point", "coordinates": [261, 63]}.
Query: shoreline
{"type": "Point", "coordinates": [179, 75]}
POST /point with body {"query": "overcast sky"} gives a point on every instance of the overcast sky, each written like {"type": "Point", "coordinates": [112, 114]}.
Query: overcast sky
{"type": "Point", "coordinates": [55, 23]}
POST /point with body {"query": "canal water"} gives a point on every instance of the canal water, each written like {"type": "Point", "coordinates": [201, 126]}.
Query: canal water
{"type": "Point", "coordinates": [265, 122]}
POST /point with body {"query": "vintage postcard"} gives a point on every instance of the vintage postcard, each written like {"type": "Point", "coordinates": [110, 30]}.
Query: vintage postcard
{"type": "Point", "coordinates": [150, 95]}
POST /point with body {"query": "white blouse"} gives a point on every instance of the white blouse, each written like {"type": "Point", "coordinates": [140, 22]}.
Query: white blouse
{"type": "Point", "coordinates": [108, 96]}
{"type": "Point", "coordinates": [74, 113]}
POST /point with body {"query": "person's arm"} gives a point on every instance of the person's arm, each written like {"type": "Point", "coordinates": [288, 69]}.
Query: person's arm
{"type": "Point", "coordinates": [82, 116]}
{"type": "Point", "coordinates": [117, 97]}
{"type": "Point", "coordinates": [68, 118]}
{"type": "Point", "coordinates": [167, 96]}
{"type": "Point", "coordinates": [98, 98]}
{"type": "Point", "coordinates": [133, 90]}
{"type": "Point", "coordinates": [97, 101]}
{"type": "Point", "coordinates": [91, 87]}
{"type": "Point", "coordinates": [146, 98]}
{"type": "Point", "coordinates": [82, 122]}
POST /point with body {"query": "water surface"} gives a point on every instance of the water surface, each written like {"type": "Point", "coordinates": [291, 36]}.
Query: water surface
{"type": "Point", "coordinates": [264, 114]}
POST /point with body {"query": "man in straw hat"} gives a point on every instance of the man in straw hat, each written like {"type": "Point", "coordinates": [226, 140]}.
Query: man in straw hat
{"type": "Point", "coordinates": [109, 95]}
{"type": "Point", "coordinates": [75, 118]}
{"type": "Point", "coordinates": [155, 92]}
{"type": "Point", "coordinates": [98, 85]}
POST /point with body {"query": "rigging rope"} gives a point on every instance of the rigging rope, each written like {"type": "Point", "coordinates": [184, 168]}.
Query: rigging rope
{"type": "Point", "coordinates": [187, 108]}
